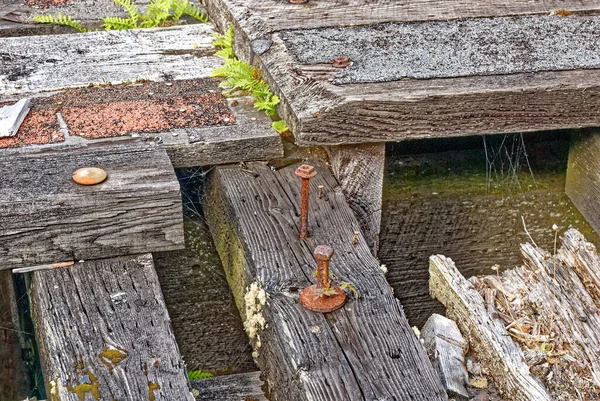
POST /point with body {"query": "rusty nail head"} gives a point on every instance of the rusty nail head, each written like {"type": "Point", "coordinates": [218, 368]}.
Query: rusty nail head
{"type": "Point", "coordinates": [298, 1]}
{"type": "Point", "coordinates": [323, 252]}
{"type": "Point", "coordinates": [306, 172]}
{"type": "Point", "coordinates": [341, 62]}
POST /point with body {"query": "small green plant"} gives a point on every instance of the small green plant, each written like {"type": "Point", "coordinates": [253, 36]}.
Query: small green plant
{"type": "Point", "coordinates": [242, 78]}
{"type": "Point", "coordinates": [158, 13]}
{"type": "Point", "coordinates": [198, 374]}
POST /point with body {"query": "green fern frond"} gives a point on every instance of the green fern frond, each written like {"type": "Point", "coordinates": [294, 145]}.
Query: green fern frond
{"type": "Point", "coordinates": [198, 374]}
{"type": "Point", "coordinates": [225, 43]}
{"type": "Point", "coordinates": [157, 13]}
{"type": "Point", "coordinates": [118, 23]}
{"type": "Point", "coordinates": [281, 127]}
{"type": "Point", "coordinates": [131, 9]}
{"type": "Point", "coordinates": [178, 7]}
{"type": "Point", "coordinates": [195, 12]}
{"type": "Point", "coordinates": [60, 20]}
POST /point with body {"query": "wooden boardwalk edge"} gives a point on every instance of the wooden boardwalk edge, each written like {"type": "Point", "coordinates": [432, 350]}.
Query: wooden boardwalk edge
{"type": "Point", "coordinates": [103, 330]}
{"type": "Point", "coordinates": [366, 350]}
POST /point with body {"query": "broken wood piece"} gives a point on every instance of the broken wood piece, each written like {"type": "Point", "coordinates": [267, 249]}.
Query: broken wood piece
{"type": "Point", "coordinates": [241, 386]}
{"type": "Point", "coordinates": [58, 265]}
{"type": "Point", "coordinates": [446, 348]}
{"type": "Point", "coordinates": [11, 117]}
{"type": "Point", "coordinates": [305, 355]}
{"type": "Point", "coordinates": [103, 330]}
{"type": "Point", "coordinates": [487, 336]}
{"type": "Point", "coordinates": [45, 217]}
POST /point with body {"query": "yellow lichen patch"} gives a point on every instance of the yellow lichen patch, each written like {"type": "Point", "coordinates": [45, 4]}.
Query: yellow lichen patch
{"type": "Point", "coordinates": [53, 386]}
{"type": "Point", "coordinates": [84, 388]}
{"type": "Point", "coordinates": [112, 356]}
{"type": "Point", "coordinates": [152, 387]}
{"type": "Point", "coordinates": [255, 299]}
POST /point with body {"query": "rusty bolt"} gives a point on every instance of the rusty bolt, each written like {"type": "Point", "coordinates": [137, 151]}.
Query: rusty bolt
{"type": "Point", "coordinates": [355, 238]}
{"type": "Point", "coordinates": [323, 254]}
{"type": "Point", "coordinates": [298, 1]}
{"type": "Point", "coordinates": [305, 172]}
{"type": "Point", "coordinates": [341, 62]}
{"type": "Point", "coordinates": [321, 191]}
{"type": "Point", "coordinates": [313, 298]}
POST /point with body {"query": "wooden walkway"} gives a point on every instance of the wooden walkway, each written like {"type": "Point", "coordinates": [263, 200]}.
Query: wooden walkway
{"type": "Point", "coordinates": [364, 351]}
{"type": "Point", "coordinates": [454, 74]}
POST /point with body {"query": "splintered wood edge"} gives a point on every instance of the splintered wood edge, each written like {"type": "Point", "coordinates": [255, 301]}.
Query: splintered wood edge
{"type": "Point", "coordinates": [498, 352]}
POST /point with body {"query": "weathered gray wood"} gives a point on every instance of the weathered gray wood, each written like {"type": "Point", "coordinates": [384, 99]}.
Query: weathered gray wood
{"type": "Point", "coordinates": [321, 112]}
{"type": "Point", "coordinates": [239, 387]}
{"type": "Point", "coordinates": [583, 177]}
{"type": "Point", "coordinates": [359, 170]}
{"type": "Point", "coordinates": [104, 333]}
{"type": "Point", "coordinates": [251, 138]}
{"type": "Point", "coordinates": [446, 348]}
{"type": "Point", "coordinates": [487, 337]}
{"type": "Point", "coordinates": [549, 307]}
{"type": "Point", "coordinates": [45, 63]}
{"type": "Point", "coordinates": [12, 116]}
{"type": "Point", "coordinates": [260, 17]}
{"type": "Point", "coordinates": [205, 320]}
{"type": "Point", "coordinates": [45, 217]}
{"type": "Point", "coordinates": [366, 350]}
{"type": "Point", "coordinates": [14, 379]}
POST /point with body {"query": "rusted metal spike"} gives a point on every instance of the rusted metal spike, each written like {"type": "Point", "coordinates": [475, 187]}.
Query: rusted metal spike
{"type": "Point", "coordinates": [314, 298]}
{"type": "Point", "coordinates": [305, 172]}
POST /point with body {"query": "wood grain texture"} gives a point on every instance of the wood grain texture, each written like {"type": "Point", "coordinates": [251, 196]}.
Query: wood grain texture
{"type": "Point", "coordinates": [104, 333]}
{"type": "Point", "coordinates": [487, 337]}
{"type": "Point", "coordinates": [46, 63]}
{"type": "Point", "coordinates": [552, 298]}
{"type": "Point", "coordinates": [359, 170]}
{"type": "Point", "coordinates": [238, 387]}
{"type": "Point", "coordinates": [261, 17]}
{"type": "Point", "coordinates": [45, 217]}
{"type": "Point", "coordinates": [366, 350]}
{"type": "Point", "coordinates": [583, 180]}
{"type": "Point", "coordinates": [446, 348]}
{"type": "Point", "coordinates": [251, 138]}
{"type": "Point", "coordinates": [321, 113]}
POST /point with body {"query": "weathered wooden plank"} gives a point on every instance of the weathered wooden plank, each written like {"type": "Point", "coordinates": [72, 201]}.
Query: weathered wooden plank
{"type": "Point", "coordinates": [446, 348]}
{"type": "Point", "coordinates": [320, 112]}
{"type": "Point", "coordinates": [251, 138]}
{"type": "Point", "coordinates": [45, 217]}
{"type": "Point", "coordinates": [359, 170]}
{"type": "Point", "coordinates": [487, 336]}
{"type": "Point", "coordinates": [103, 330]}
{"type": "Point", "coordinates": [583, 180]}
{"type": "Point", "coordinates": [45, 63]}
{"type": "Point", "coordinates": [261, 17]}
{"type": "Point", "coordinates": [238, 387]}
{"type": "Point", "coordinates": [366, 350]}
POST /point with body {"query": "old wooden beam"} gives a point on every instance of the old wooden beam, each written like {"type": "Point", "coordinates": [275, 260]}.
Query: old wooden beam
{"type": "Point", "coordinates": [104, 333]}
{"type": "Point", "coordinates": [99, 58]}
{"type": "Point", "coordinates": [383, 98]}
{"type": "Point", "coordinates": [583, 179]}
{"type": "Point", "coordinates": [487, 336]}
{"type": "Point", "coordinates": [365, 350]}
{"type": "Point", "coordinates": [241, 386]}
{"type": "Point", "coordinates": [45, 217]}
{"type": "Point", "coordinates": [359, 170]}
{"type": "Point", "coordinates": [251, 138]}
